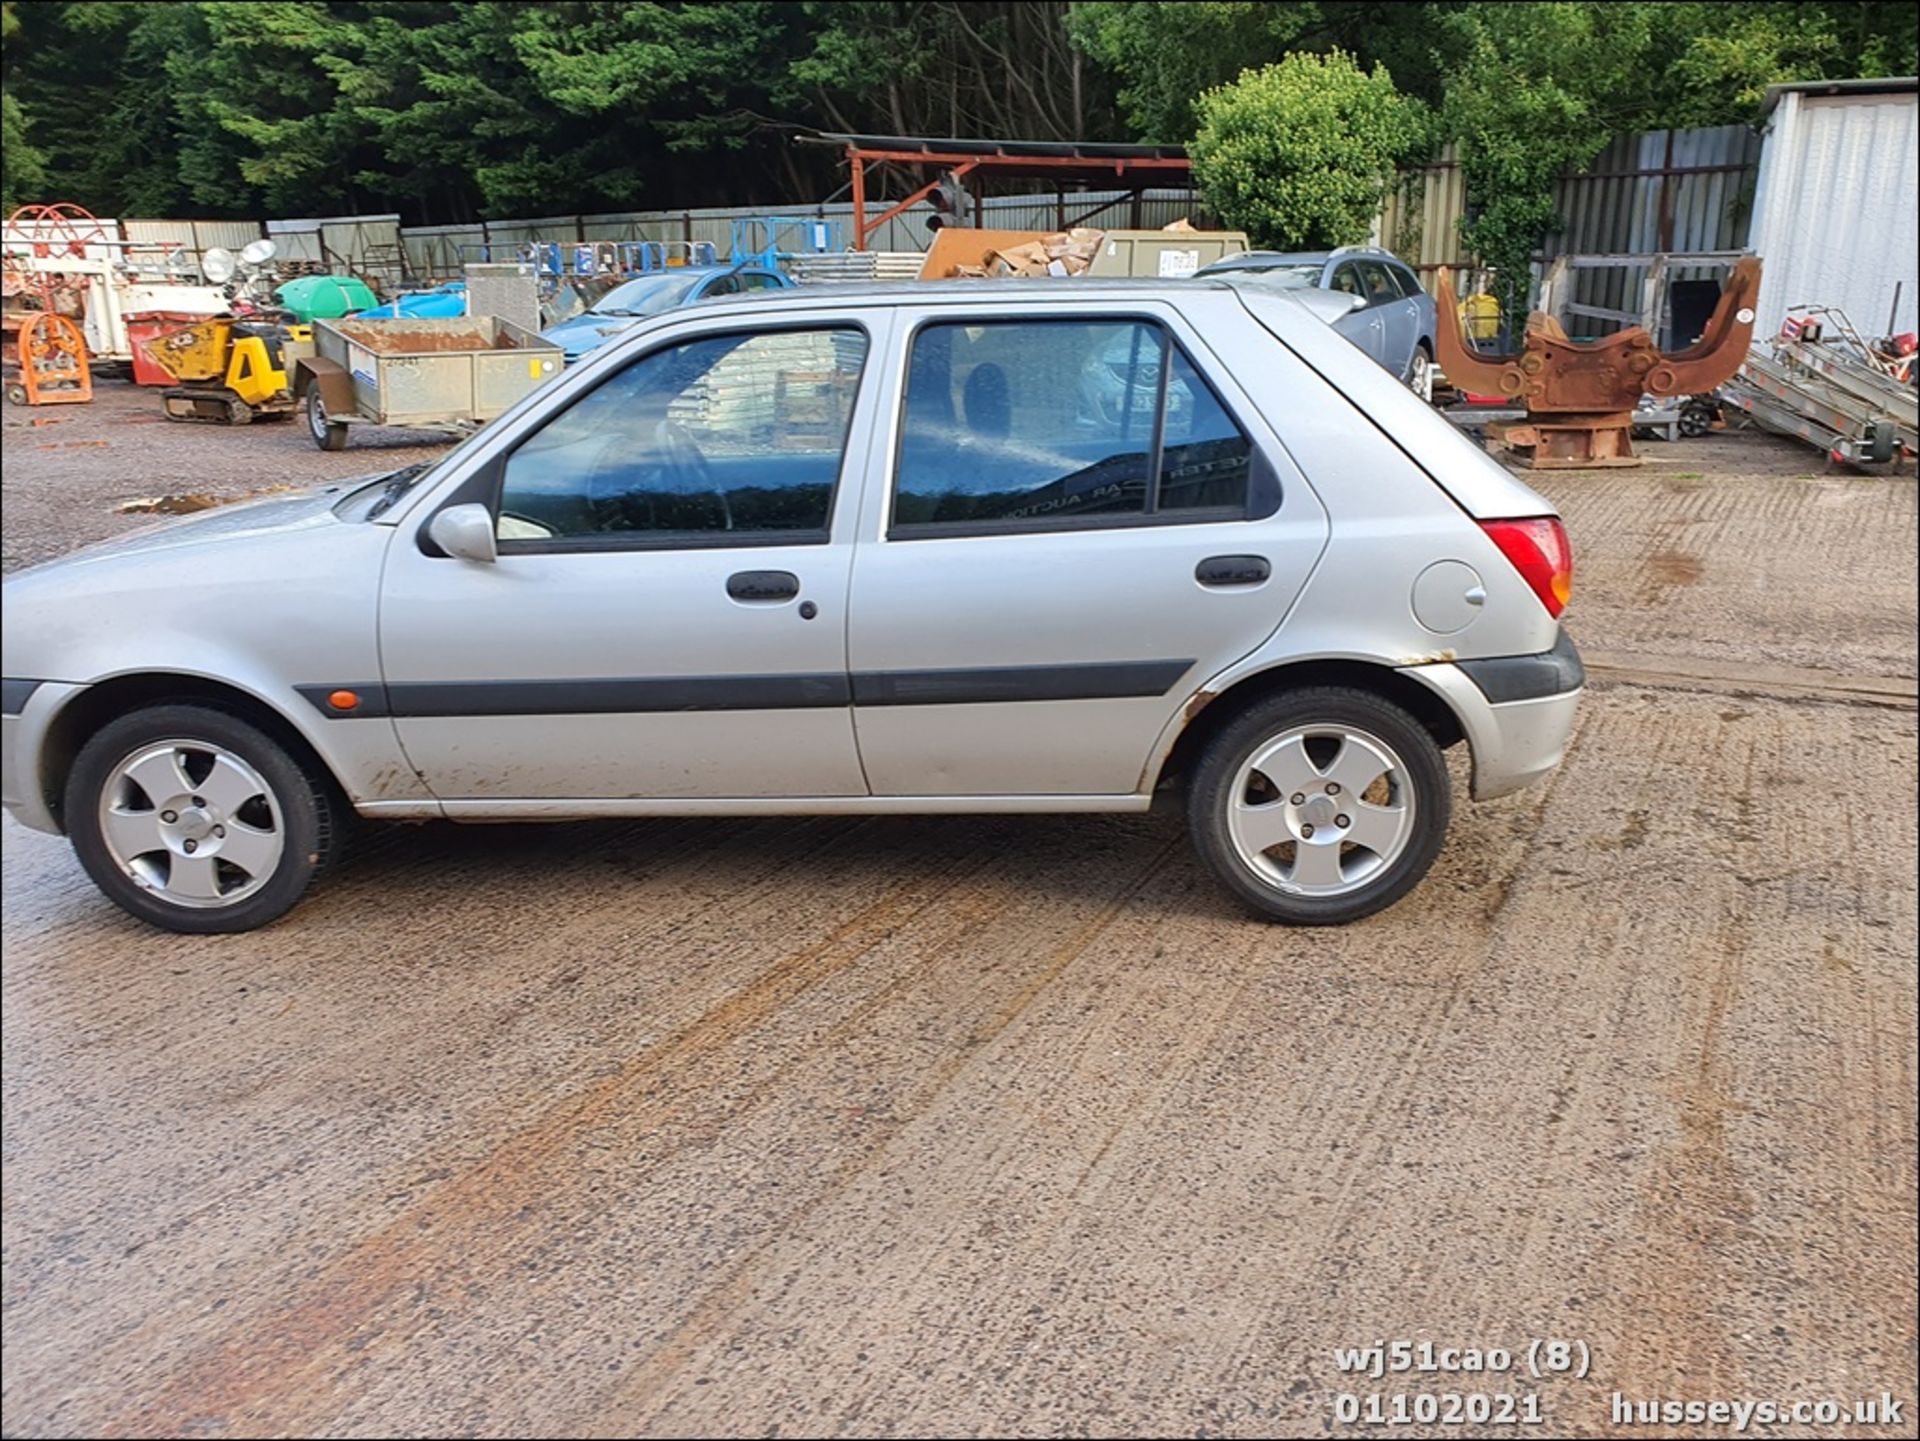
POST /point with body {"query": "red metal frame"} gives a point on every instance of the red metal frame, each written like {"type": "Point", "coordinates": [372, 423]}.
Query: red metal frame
{"type": "Point", "coordinates": [962, 164]}
{"type": "Point", "coordinates": [862, 230]}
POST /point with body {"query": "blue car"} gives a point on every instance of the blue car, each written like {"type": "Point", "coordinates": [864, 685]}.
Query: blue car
{"type": "Point", "coordinates": [646, 295]}
{"type": "Point", "coordinates": [1390, 316]}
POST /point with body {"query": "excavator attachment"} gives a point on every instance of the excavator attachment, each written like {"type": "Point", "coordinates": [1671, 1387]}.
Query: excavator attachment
{"type": "Point", "coordinates": [1580, 395]}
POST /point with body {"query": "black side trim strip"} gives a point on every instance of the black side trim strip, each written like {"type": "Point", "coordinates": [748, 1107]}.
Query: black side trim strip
{"type": "Point", "coordinates": [14, 693]}
{"type": "Point", "coordinates": [1101, 680]}
{"type": "Point", "coordinates": [611, 697]}
{"type": "Point", "coordinates": [1104, 680]}
{"type": "Point", "coordinates": [1528, 677]}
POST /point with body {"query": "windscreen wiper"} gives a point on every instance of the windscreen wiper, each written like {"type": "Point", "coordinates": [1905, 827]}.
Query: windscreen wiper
{"type": "Point", "coordinates": [398, 484]}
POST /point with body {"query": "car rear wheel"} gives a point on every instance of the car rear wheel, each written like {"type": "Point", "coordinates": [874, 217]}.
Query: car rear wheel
{"type": "Point", "coordinates": [195, 820]}
{"type": "Point", "coordinates": [1420, 377]}
{"type": "Point", "coordinates": [1320, 806]}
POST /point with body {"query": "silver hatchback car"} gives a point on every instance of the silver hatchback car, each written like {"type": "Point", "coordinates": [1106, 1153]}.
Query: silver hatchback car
{"type": "Point", "coordinates": [927, 548]}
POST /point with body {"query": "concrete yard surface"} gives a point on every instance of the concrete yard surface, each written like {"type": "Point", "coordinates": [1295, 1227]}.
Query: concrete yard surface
{"type": "Point", "coordinates": [1002, 1125]}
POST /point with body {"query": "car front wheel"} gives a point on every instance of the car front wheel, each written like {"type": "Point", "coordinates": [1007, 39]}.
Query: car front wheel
{"type": "Point", "coordinates": [1320, 806]}
{"type": "Point", "coordinates": [196, 820]}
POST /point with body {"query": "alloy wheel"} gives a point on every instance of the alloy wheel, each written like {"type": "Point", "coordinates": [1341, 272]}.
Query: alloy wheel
{"type": "Point", "coordinates": [192, 823]}
{"type": "Point", "coordinates": [1321, 810]}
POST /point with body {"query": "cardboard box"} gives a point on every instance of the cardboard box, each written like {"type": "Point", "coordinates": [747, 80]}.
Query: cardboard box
{"type": "Point", "coordinates": [976, 254]}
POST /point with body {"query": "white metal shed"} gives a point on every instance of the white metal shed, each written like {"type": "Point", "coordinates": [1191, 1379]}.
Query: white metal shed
{"type": "Point", "coordinates": [1835, 203]}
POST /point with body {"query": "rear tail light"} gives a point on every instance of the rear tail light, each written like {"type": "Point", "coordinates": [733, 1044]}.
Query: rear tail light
{"type": "Point", "coordinates": [1538, 549]}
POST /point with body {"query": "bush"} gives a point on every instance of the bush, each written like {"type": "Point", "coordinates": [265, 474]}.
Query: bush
{"type": "Point", "coordinates": [1301, 154]}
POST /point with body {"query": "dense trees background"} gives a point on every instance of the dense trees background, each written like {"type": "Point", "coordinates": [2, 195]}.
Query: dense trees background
{"type": "Point", "coordinates": [448, 111]}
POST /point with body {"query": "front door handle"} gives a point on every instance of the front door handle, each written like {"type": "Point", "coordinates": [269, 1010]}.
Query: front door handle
{"type": "Point", "coordinates": [1232, 570]}
{"type": "Point", "coordinates": [763, 585]}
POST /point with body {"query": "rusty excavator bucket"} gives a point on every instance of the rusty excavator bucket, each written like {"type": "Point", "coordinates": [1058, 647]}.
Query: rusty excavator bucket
{"type": "Point", "coordinates": [1580, 395]}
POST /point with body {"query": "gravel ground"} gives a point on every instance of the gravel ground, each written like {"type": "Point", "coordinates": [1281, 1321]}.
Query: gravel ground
{"type": "Point", "coordinates": [68, 466]}
{"type": "Point", "coordinates": [992, 1125]}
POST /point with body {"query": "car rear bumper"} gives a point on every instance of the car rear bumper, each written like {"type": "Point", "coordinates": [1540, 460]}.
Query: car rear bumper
{"type": "Point", "coordinates": [1517, 712]}
{"type": "Point", "coordinates": [1533, 740]}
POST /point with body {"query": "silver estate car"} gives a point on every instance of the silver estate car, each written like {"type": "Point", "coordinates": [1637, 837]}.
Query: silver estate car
{"type": "Point", "coordinates": [935, 548]}
{"type": "Point", "coordinates": [1382, 308]}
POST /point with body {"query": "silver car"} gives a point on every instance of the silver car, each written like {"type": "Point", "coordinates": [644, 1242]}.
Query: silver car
{"type": "Point", "coordinates": [1383, 308]}
{"type": "Point", "coordinates": [832, 551]}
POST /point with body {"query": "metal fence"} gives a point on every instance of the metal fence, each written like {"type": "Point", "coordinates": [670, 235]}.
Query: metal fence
{"type": "Point", "coordinates": [194, 237]}
{"type": "Point", "coordinates": [438, 251]}
{"type": "Point", "coordinates": [363, 244]}
{"type": "Point", "coordinates": [1675, 192]}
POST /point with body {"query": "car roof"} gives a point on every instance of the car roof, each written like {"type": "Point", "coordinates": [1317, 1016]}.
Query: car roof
{"type": "Point", "coordinates": [1266, 259]}
{"type": "Point", "coordinates": [1035, 289]}
{"type": "Point", "coordinates": [702, 269]}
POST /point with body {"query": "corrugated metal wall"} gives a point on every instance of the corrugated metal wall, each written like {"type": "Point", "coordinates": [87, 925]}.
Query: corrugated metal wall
{"type": "Point", "coordinates": [1421, 219]}
{"type": "Point", "coordinates": [1835, 214]}
{"type": "Point", "coordinates": [193, 238]}
{"type": "Point", "coordinates": [1687, 191]}
{"type": "Point", "coordinates": [341, 242]}
{"type": "Point", "coordinates": [1672, 191]}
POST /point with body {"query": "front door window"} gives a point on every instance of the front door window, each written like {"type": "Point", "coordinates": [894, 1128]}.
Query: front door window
{"type": "Point", "coordinates": [728, 439]}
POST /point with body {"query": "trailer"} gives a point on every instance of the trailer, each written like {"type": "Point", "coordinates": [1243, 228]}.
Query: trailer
{"type": "Point", "coordinates": [1820, 381]}
{"type": "Point", "coordinates": [445, 375]}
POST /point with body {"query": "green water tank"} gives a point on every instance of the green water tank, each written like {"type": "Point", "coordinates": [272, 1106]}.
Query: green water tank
{"type": "Point", "coordinates": [325, 297]}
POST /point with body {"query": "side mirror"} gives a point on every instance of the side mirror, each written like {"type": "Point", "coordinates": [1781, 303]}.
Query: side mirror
{"type": "Point", "coordinates": [465, 532]}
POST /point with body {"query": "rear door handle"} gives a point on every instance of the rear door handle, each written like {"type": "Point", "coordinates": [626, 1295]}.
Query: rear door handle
{"type": "Point", "coordinates": [763, 585]}
{"type": "Point", "coordinates": [1232, 570]}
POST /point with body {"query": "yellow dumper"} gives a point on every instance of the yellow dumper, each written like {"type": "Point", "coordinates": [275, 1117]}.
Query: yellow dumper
{"type": "Point", "coordinates": [229, 370]}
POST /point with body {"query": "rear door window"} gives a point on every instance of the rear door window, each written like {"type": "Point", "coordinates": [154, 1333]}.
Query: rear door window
{"type": "Point", "coordinates": [1380, 288]}
{"type": "Point", "coordinates": [1030, 425]}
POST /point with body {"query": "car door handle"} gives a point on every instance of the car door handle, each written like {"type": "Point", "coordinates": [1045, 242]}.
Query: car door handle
{"type": "Point", "coordinates": [763, 585]}
{"type": "Point", "coordinates": [1232, 570]}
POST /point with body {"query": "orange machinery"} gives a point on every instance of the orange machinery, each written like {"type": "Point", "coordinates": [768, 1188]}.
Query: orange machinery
{"type": "Point", "coordinates": [1580, 395]}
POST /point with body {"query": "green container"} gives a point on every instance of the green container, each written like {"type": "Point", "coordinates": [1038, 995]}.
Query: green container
{"type": "Point", "coordinates": [325, 297]}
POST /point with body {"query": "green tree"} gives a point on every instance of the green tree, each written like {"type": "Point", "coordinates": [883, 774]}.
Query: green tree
{"type": "Point", "coordinates": [1167, 56]}
{"type": "Point", "coordinates": [948, 68]}
{"type": "Point", "coordinates": [445, 110]}
{"type": "Point", "coordinates": [100, 133]}
{"type": "Point", "coordinates": [1536, 90]}
{"type": "Point", "coordinates": [1300, 154]}
{"type": "Point", "coordinates": [1718, 60]}
{"type": "Point", "coordinates": [23, 168]}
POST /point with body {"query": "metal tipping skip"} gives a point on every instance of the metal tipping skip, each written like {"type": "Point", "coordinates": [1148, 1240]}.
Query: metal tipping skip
{"type": "Point", "coordinates": [1580, 395]}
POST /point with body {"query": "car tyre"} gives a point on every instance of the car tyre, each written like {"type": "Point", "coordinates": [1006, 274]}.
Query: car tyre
{"type": "Point", "coordinates": [327, 434]}
{"type": "Point", "coordinates": [1320, 806]}
{"type": "Point", "coordinates": [195, 820]}
{"type": "Point", "coordinates": [1420, 374]}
